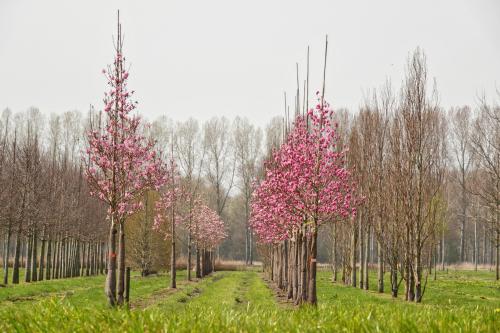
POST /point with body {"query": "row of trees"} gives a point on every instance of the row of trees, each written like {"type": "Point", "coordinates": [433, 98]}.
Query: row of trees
{"type": "Point", "coordinates": [424, 174]}
{"type": "Point", "coordinates": [421, 175]}
{"type": "Point", "coordinates": [399, 150]}
{"type": "Point", "coordinates": [48, 221]}
{"type": "Point", "coordinates": [306, 185]}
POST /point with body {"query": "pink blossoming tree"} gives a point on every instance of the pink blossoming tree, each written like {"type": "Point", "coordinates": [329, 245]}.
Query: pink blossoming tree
{"type": "Point", "coordinates": [208, 231]}
{"type": "Point", "coordinates": [306, 185]}
{"type": "Point", "coordinates": [121, 164]}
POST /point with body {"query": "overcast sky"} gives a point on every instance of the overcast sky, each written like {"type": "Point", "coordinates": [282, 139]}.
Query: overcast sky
{"type": "Point", "coordinates": [206, 58]}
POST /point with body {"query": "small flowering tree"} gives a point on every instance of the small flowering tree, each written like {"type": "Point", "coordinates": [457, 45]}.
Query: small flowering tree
{"type": "Point", "coordinates": [204, 224]}
{"type": "Point", "coordinates": [169, 209]}
{"type": "Point", "coordinates": [121, 164]}
{"type": "Point", "coordinates": [208, 232]}
{"type": "Point", "coordinates": [306, 185]}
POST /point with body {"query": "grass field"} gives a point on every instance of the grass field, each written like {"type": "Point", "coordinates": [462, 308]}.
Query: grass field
{"type": "Point", "coordinates": [240, 301]}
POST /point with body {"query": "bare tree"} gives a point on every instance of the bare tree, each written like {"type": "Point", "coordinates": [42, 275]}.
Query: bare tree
{"type": "Point", "coordinates": [460, 143]}
{"type": "Point", "coordinates": [247, 142]}
{"type": "Point", "coordinates": [486, 145]}
{"type": "Point", "coordinates": [220, 163]}
{"type": "Point", "coordinates": [190, 152]}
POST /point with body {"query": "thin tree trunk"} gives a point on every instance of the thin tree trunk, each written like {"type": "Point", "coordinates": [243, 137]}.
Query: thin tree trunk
{"type": "Point", "coordinates": [250, 247]}
{"type": "Point", "coordinates": [475, 245]}
{"type": "Point", "coordinates": [303, 267]}
{"type": "Point", "coordinates": [27, 275]}
{"type": "Point", "coordinates": [34, 271]}
{"type": "Point", "coordinates": [366, 284]}
{"type": "Point", "coordinates": [173, 272]}
{"type": "Point", "coordinates": [87, 260]}
{"type": "Point", "coordinates": [442, 250]}
{"type": "Point", "coordinates": [101, 253]}
{"type": "Point", "coordinates": [246, 244]}
{"type": "Point", "coordinates": [380, 271]}
{"type": "Point", "coordinates": [189, 256]}
{"type": "Point", "coordinates": [354, 242]}
{"type": "Point", "coordinates": [49, 258]}
{"type": "Point", "coordinates": [110, 286]}
{"type": "Point", "coordinates": [6, 257]}
{"type": "Point", "coordinates": [497, 261]}
{"type": "Point", "coordinates": [295, 271]}
{"type": "Point", "coordinates": [279, 257]}
{"type": "Point", "coordinates": [418, 275]}
{"type": "Point", "coordinates": [394, 281]}
{"type": "Point", "coordinates": [334, 253]}
{"type": "Point", "coordinates": [54, 257]}
{"type": "Point", "coordinates": [311, 293]}
{"type": "Point", "coordinates": [17, 253]}
{"type": "Point", "coordinates": [121, 265]}
{"type": "Point", "coordinates": [361, 255]}
{"type": "Point", "coordinates": [483, 259]}
{"type": "Point", "coordinates": [42, 257]}
{"type": "Point", "coordinates": [198, 268]}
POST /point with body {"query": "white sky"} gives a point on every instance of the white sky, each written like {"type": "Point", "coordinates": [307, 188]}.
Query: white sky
{"type": "Point", "coordinates": [206, 58]}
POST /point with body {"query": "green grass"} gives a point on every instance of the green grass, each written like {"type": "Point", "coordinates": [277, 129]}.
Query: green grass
{"type": "Point", "coordinates": [240, 301]}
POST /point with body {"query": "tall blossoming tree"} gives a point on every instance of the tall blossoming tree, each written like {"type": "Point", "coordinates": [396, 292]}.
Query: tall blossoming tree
{"type": "Point", "coordinates": [120, 165]}
{"type": "Point", "coordinates": [306, 185]}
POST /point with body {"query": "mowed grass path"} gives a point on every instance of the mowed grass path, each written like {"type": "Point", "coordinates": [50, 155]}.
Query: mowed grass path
{"type": "Point", "coordinates": [242, 302]}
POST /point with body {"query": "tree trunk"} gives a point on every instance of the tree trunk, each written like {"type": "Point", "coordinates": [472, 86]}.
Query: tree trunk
{"type": "Point", "coordinates": [83, 259]}
{"type": "Point", "coordinates": [291, 265]}
{"type": "Point", "coordinates": [250, 247]}
{"type": "Point", "coordinates": [17, 253]}
{"type": "Point", "coordinates": [34, 271]}
{"type": "Point", "coordinates": [418, 276]}
{"type": "Point", "coordinates": [288, 265]}
{"type": "Point", "coordinates": [102, 249]}
{"type": "Point", "coordinates": [366, 284]}
{"type": "Point", "coordinates": [295, 271]}
{"type": "Point", "coordinates": [279, 260]}
{"type": "Point", "coordinates": [173, 272]}
{"type": "Point", "coordinates": [354, 242]}
{"type": "Point", "coordinates": [361, 255]}
{"type": "Point", "coordinates": [380, 271]}
{"type": "Point", "coordinates": [23, 252]}
{"type": "Point", "coordinates": [6, 257]}
{"type": "Point", "coordinates": [42, 258]}
{"type": "Point", "coordinates": [311, 294]}
{"type": "Point", "coordinates": [303, 267]}
{"type": "Point", "coordinates": [198, 268]}
{"type": "Point", "coordinates": [334, 253]}
{"type": "Point", "coordinates": [475, 245]}
{"type": "Point", "coordinates": [202, 263]}
{"type": "Point", "coordinates": [394, 281]}
{"type": "Point", "coordinates": [246, 244]}
{"type": "Point", "coordinates": [29, 250]}
{"type": "Point", "coordinates": [442, 251]}
{"type": "Point", "coordinates": [110, 286]}
{"type": "Point", "coordinates": [56, 257]}
{"type": "Point", "coordinates": [497, 261]}
{"type": "Point", "coordinates": [87, 259]}
{"type": "Point", "coordinates": [60, 258]}
{"type": "Point", "coordinates": [189, 256]}
{"type": "Point", "coordinates": [121, 264]}
{"type": "Point", "coordinates": [49, 258]}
